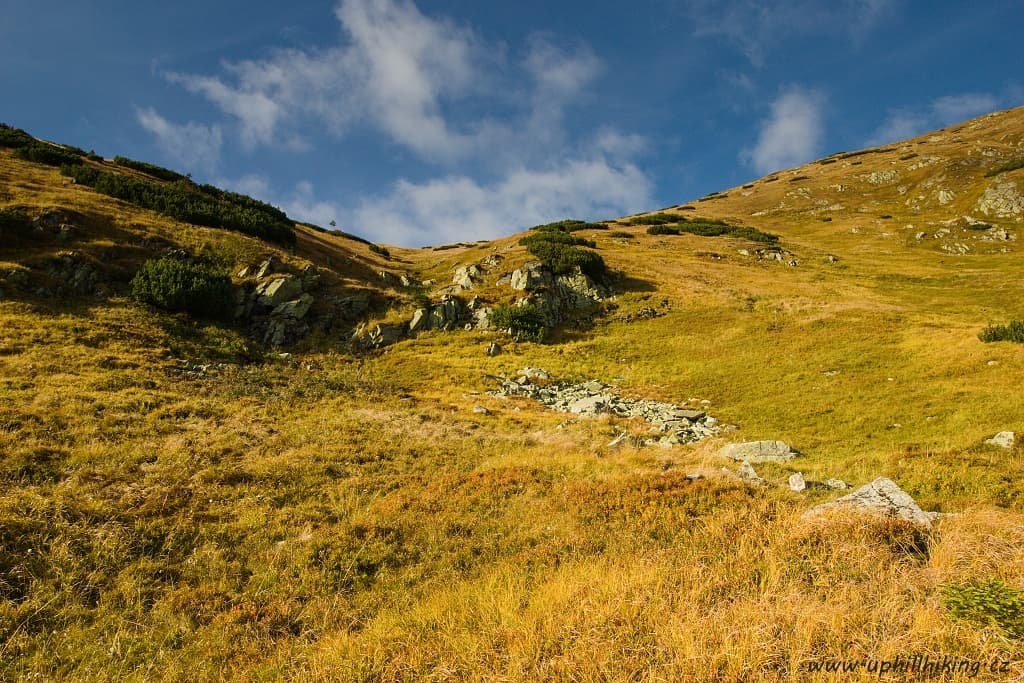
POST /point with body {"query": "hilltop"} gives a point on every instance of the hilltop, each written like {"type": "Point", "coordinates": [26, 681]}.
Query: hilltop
{"type": "Point", "coordinates": [356, 472]}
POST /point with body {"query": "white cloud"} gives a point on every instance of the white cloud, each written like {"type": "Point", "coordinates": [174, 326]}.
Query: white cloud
{"type": "Point", "coordinates": [459, 208]}
{"type": "Point", "coordinates": [435, 89]}
{"type": "Point", "coordinates": [901, 124]}
{"type": "Point", "coordinates": [792, 134]}
{"type": "Point", "coordinates": [755, 27]}
{"type": "Point", "coordinates": [192, 144]}
{"type": "Point", "coordinates": [955, 108]}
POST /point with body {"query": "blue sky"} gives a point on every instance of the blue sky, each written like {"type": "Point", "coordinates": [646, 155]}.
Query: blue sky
{"type": "Point", "coordinates": [425, 122]}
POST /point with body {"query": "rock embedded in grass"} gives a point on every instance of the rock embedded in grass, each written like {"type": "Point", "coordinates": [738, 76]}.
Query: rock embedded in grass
{"type": "Point", "coordinates": [1002, 440]}
{"type": "Point", "coordinates": [881, 497]}
{"type": "Point", "coordinates": [759, 451]}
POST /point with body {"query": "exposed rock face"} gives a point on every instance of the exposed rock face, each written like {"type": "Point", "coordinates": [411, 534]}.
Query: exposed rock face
{"type": "Point", "coordinates": [759, 451]}
{"type": "Point", "coordinates": [465, 275]}
{"type": "Point", "coordinates": [278, 290]}
{"type": "Point", "coordinates": [559, 298]}
{"type": "Point", "coordinates": [748, 474]}
{"type": "Point", "coordinates": [383, 335]}
{"type": "Point", "coordinates": [673, 424]}
{"type": "Point", "coordinates": [881, 497]}
{"type": "Point", "coordinates": [1002, 200]}
{"type": "Point", "coordinates": [1002, 440]}
{"type": "Point", "coordinates": [73, 272]}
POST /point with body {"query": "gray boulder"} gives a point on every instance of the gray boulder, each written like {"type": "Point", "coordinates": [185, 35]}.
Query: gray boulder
{"type": "Point", "coordinates": [759, 451]}
{"type": "Point", "coordinates": [1002, 440]}
{"type": "Point", "coordinates": [797, 482]}
{"type": "Point", "coordinates": [297, 308]}
{"type": "Point", "coordinates": [420, 320]}
{"type": "Point", "coordinates": [881, 497]}
{"type": "Point", "coordinates": [493, 349]}
{"type": "Point", "coordinates": [278, 290]}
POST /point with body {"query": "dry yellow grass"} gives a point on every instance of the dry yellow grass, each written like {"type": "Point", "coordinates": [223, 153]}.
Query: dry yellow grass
{"type": "Point", "coordinates": [340, 517]}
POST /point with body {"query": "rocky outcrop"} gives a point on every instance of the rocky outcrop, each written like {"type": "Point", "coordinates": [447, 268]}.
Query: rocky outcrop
{"type": "Point", "coordinates": [1001, 199]}
{"type": "Point", "coordinates": [74, 273]}
{"type": "Point", "coordinates": [572, 297]}
{"type": "Point", "coordinates": [274, 304]}
{"type": "Point", "coordinates": [881, 497]}
{"type": "Point", "coordinates": [671, 424]}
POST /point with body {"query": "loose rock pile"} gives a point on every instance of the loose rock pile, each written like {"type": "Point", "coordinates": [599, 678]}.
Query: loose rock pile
{"type": "Point", "coordinates": [673, 424]}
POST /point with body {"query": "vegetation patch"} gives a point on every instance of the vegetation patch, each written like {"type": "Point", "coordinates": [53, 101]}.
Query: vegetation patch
{"type": "Point", "coordinates": [380, 251]}
{"type": "Point", "coordinates": [569, 225]}
{"type": "Point", "coordinates": [1008, 166]}
{"type": "Point", "coordinates": [987, 603]}
{"type": "Point", "coordinates": [654, 219]}
{"type": "Point", "coordinates": [713, 228]}
{"type": "Point", "coordinates": [798, 178]}
{"type": "Point", "coordinates": [563, 259]}
{"type": "Point", "coordinates": [1013, 331]}
{"type": "Point", "coordinates": [622, 234]}
{"type": "Point", "coordinates": [12, 138]}
{"type": "Point", "coordinates": [523, 322]}
{"type": "Point", "coordinates": [184, 286]}
{"type": "Point", "coordinates": [557, 238]}
{"type": "Point", "coordinates": [14, 221]}
{"type": "Point", "coordinates": [45, 153]}
{"type": "Point", "coordinates": [149, 169]}
{"type": "Point", "coordinates": [184, 200]}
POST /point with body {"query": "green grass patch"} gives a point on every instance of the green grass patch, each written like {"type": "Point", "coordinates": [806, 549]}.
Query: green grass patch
{"type": "Point", "coordinates": [713, 228]}
{"type": "Point", "coordinates": [654, 219]}
{"type": "Point", "coordinates": [45, 153]}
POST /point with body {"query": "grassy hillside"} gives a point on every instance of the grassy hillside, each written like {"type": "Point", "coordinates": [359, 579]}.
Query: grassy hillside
{"type": "Point", "coordinates": [180, 503]}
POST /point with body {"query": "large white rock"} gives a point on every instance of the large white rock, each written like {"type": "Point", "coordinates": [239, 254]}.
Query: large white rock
{"type": "Point", "coordinates": [1003, 440]}
{"type": "Point", "coordinates": [757, 452]}
{"type": "Point", "coordinates": [881, 497]}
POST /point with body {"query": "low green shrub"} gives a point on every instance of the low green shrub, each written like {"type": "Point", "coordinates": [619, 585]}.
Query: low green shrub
{"type": "Point", "coordinates": [713, 228]}
{"type": "Point", "coordinates": [654, 219]}
{"type": "Point", "coordinates": [149, 169]}
{"type": "Point", "coordinates": [986, 603]}
{"type": "Point", "coordinates": [523, 322]}
{"type": "Point", "coordinates": [184, 286]}
{"type": "Point", "coordinates": [569, 225]}
{"type": "Point", "coordinates": [12, 138]}
{"type": "Point", "coordinates": [557, 238]}
{"type": "Point", "coordinates": [1008, 166]}
{"type": "Point", "coordinates": [381, 251]}
{"type": "Point", "coordinates": [663, 230]}
{"type": "Point", "coordinates": [198, 204]}
{"type": "Point", "coordinates": [562, 259]}
{"type": "Point", "coordinates": [1013, 331]}
{"type": "Point", "coordinates": [45, 153]}
{"type": "Point", "coordinates": [14, 222]}
{"type": "Point", "coordinates": [621, 234]}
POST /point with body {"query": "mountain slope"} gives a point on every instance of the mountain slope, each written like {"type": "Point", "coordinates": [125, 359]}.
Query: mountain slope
{"type": "Point", "coordinates": [178, 502]}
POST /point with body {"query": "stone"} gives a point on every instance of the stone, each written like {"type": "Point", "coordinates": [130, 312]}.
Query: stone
{"type": "Point", "coordinates": [493, 349]}
{"type": "Point", "coordinates": [1002, 440]}
{"type": "Point", "coordinates": [626, 439]}
{"type": "Point", "coordinates": [945, 196]}
{"type": "Point", "coordinates": [749, 474]}
{"type": "Point", "coordinates": [759, 451]}
{"type": "Point", "coordinates": [881, 497]}
{"type": "Point", "coordinates": [534, 373]}
{"type": "Point", "coordinates": [797, 482]}
{"type": "Point", "coordinates": [588, 405]}
{"type": "Point", "coordinates": [419, 321]}
{"type": "Point", "coordinates": [278, 290]}
{"type": "Point", "coordinates": [267, 268]}
{"type": "Point", "coordinates": [383, 335]}
{"type": "Point", "coordinates": [480, 410]}
{"type": "Point", "coordinates": [465, 275]}
{"type": "Point", "coordinates": [838, 484]}
{"type": "Point", "coordinates": [482, 318]}
{"type": "Point", "coordinates": [297, 308]}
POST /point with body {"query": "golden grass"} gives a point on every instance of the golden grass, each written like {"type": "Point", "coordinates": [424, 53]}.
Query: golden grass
{"type": "Point", "coordinates": [340, 517]}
